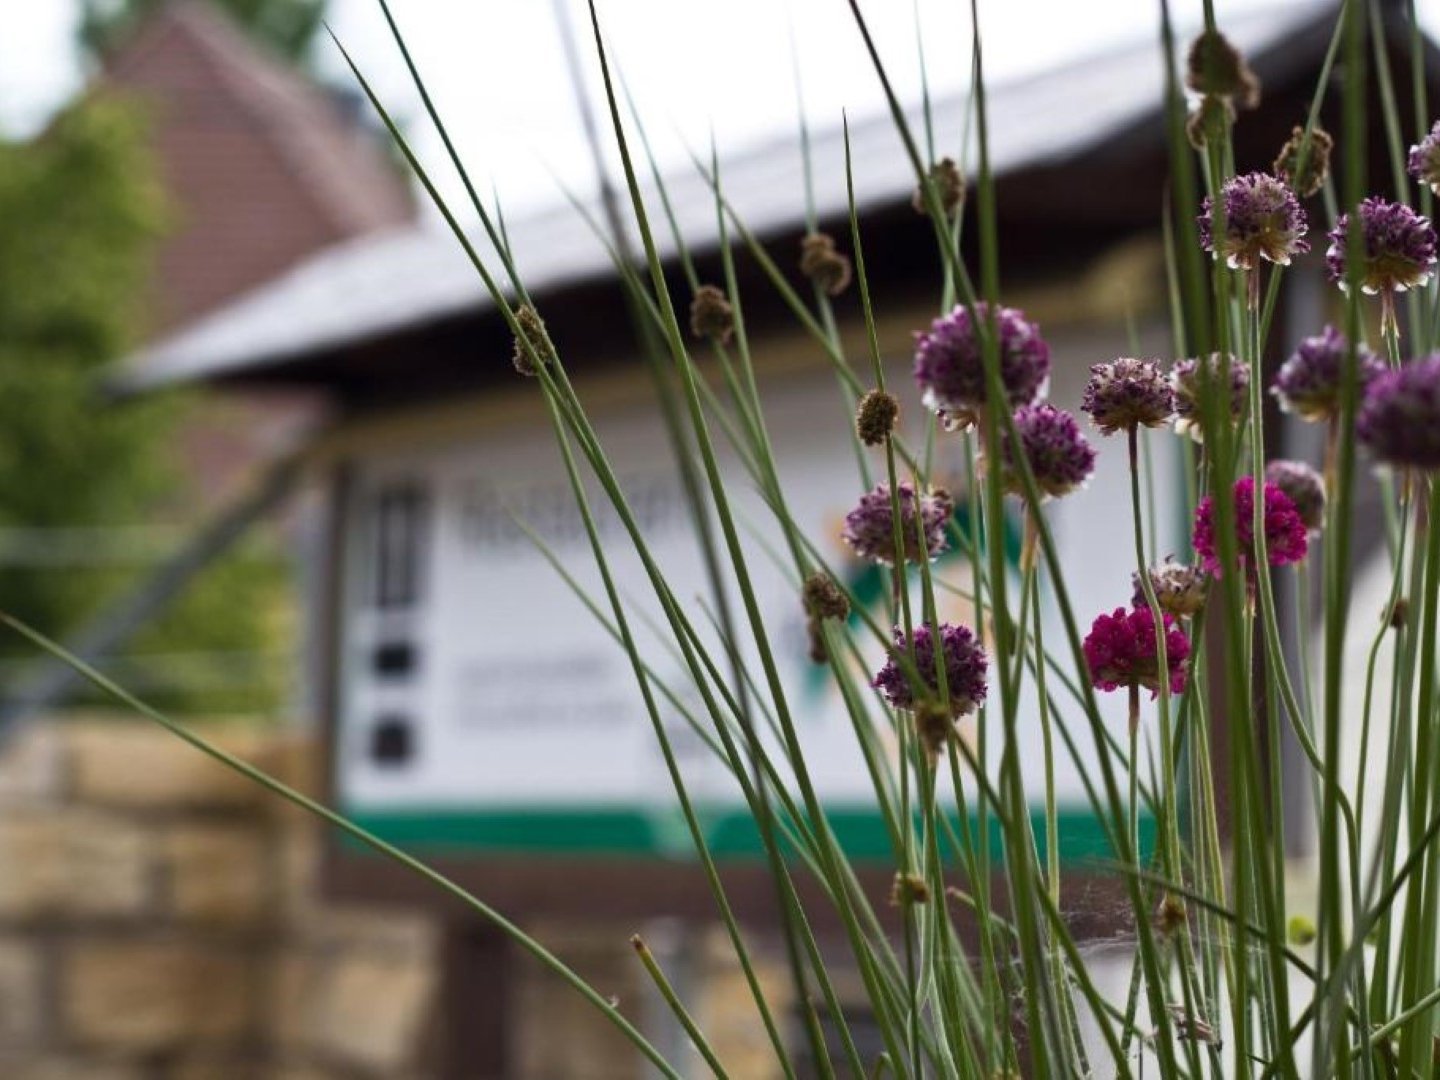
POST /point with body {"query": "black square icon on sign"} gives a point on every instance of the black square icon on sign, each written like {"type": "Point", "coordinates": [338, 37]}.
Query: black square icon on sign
{"type": "Point", "coordinates": [392, 741]}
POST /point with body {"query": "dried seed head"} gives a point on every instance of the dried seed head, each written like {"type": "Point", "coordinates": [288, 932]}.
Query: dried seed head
{"type": "Point", "coordinates": [934, 725]}
{"type": "Point", "coordinates": [949, 183]}
{"type": "Point", "coordinates": [1170, 915]}
{"type": "Point", "coordinates": [909, 889]}
{"type": "Point", "coordinates": [533, 334]}
{"type": "Point", "coordinates": [711, 315]}
{"type": "Point", "coordinates": [1305, 172]}
{"type": "Point", "coordinates": [824, 599]}
{"type": "Point", "coordinates": [875, 417]}
{"type": "Point", "coordinates": [821, 263]}
{"type": "Point", "coordinates": [1209, 111]}
{"type": "Point", "coordinates": [817, 651]}
{"type": "Point", "coordinates": [1215, 67]}
{"type": "Point", "coordinates": [1398, 613]}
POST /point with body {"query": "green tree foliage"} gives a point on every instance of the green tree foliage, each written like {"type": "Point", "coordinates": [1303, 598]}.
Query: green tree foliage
{"type": "Point", "coordinates": [286, 27]}
{"type": "Point", "coordinates": [82, 477]}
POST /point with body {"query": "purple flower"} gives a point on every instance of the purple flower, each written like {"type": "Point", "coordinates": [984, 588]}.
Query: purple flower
{"type": "Point", "coordinates": [1188, 381]}
{"type": "Point", "coordinates": [1399, 420]}
{"type": "Point", "coordinates": [1308, 384]}
{"type": "Point", "coordinates": [1424, 163]}
{"type": "Point", "coordinates": [1127, 393]}
{"type": "Point", "coordinates": [1120, 651]}
{"type": "Point", "coordinates": [964, 669]}
{"type": "Point", "coordinates": [1285, 533]}
{"type": "Point", "coordinates": [950, 369]}
{"type": "Point", "coordinates": [1179, 589]}
{"type": "Point", "coordinates": [1399, 248]}
{"type": "Point", "coordinates": [1263, 220]}
{"type": "Point", "coordinates": [1060, 458]}
{"type": "Point", "coordinates": [870, 527]}
{"type": "Point", "coordinates": [1303, 486]}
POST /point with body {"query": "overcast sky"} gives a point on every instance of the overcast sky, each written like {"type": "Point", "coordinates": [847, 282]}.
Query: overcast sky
{"type": "Point", "coordinates": [497, 72]}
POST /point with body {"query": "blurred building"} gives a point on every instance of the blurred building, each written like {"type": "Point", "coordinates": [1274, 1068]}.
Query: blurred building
{"type": "Point", "coordinates": [263, 167]}
{"type": "Point", "coordinates": [434, 618]}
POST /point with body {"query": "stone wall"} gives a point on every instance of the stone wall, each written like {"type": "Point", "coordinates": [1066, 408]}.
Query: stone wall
{"type": "Point", "coordinates": [159, 918]}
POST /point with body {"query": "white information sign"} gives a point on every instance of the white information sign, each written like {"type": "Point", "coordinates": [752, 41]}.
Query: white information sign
{"type": "Point", "coordinates": [482, 708]}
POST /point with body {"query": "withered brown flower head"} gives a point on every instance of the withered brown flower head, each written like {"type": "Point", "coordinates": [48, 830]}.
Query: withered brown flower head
{"type": "Point", "coordinates": [1216, 68]}
{"type": "Point", "coordinates": [1306, 172]}
{"type": "Point", "coordinates": [949, 184]}
{"type": "Point", "coordinates": [828, 268]}
{"type": "Point", "coordinates": [533, 333]}
{"type": "Point", "coordinates": [711, 315]}
{"type": "Point", "coordinates": [875, 417]}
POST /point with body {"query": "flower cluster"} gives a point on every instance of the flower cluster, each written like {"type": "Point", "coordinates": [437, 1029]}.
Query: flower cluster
{"type": "Point", "coordinates": [1059, 457]}
{"type": "Point", "coordinates": [1399, 420]}
{"type": "Point", "coordinates": [1424, 162]}
{"type": "Point", "coordinates": [1397, 248]}
{"type": "Point", "coordinates": [1188, 379]}
{"type": "Point", "coordinates": [950, 369]}
{"type": "Point", "coordinates": [1179, 589]}
{"type": "Point", "coordinates": [1263, 221]}
{"type": "Point", "coordinates": [870, 527]}
{"type": "Point", "coordinates": [1128, 393]}
{"type": "Point", "coordinates": [964, 661]}
{"type": "Point", "coordinates": [1303, 486]}
{"type": "Point", "coordinates": [1308, 383]}
{"type": "Point", "coordinates": [1285, 531]}
{"type": "Point", "coordinates": [1121, 651]}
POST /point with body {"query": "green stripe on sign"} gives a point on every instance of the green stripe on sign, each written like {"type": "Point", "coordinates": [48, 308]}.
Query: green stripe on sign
{"type": "Point", "coordinates": [599, 831]}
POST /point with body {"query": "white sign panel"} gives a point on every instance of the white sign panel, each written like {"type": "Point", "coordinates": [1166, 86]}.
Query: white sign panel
{"type": "Point", "coordinates": [483, 708]}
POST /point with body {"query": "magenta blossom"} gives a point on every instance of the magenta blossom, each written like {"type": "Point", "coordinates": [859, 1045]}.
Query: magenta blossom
{"type": "Point", "coordinates": [1285, 531]}
{"type": "Point", "coordinates": [1120, 651]}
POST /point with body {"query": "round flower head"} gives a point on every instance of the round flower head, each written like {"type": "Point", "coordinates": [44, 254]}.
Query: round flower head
{"type": "Point", "coordinates": [1263, 220]}
{"type": "Point", "coordinates": [1179, 589]}
{"type": "Point", "coordinates": [1399, 420]}
{"type": "Point", "coordinates": [870, 527]}
{"type": "Point", "coordinates": [1127, 393]}
{"type": "Point", "coordinates": [1188, 381]}
{"type": "Point", "coordinates": [1120, 651]}
{"type": "Point", "coordinates": [1060, 458]}
{"type": "Point", "coordinates": [1308, 384]}
{"type": "Point", "coordinates": [1424, 163]}
{"type": "Point", "coordinates": [950, 369]}
{"type": "Point", "coordinates": [1303, 486]}
{"type": "Point", "coordinates": [964, 669]}
{"type": "Point", "coordinates": [1398, 248]}
{"type": "Point", "coordinates": [1285, 533]}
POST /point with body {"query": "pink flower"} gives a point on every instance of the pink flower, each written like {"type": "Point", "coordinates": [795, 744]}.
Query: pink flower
{"type": "Point", "coordinates": [1285, 532]}
{"type": "Point", "coordinates": [1120, 651]}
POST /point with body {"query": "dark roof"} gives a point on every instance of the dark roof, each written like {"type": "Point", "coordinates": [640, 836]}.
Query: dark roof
{"type": "Point", "coordinates": [378, 287]}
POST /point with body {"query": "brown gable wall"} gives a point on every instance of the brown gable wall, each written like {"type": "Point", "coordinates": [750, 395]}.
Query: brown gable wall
{"type": "Point", "coordinates": [261, 168]}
